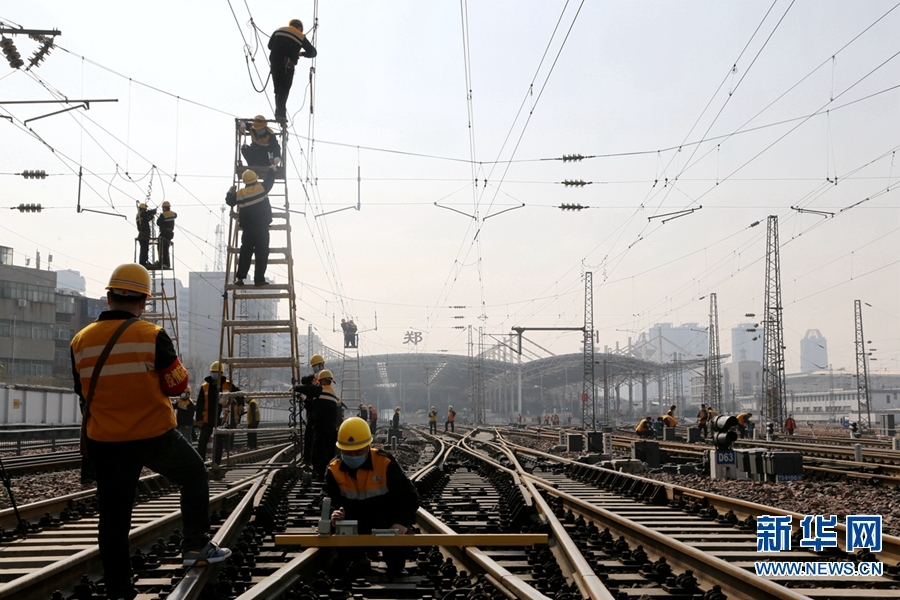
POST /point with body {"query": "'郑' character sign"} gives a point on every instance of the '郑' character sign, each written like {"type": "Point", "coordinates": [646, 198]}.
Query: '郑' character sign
{"type": "Point", "coordinates": [412, 337]}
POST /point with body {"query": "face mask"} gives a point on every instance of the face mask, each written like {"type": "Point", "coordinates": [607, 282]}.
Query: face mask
{"type": "Point", "coordinates": [214, 375]}
{"type": "Point", "coordinates": [317, 368]}
{"type": "Point", "coordinates": [353, 462]}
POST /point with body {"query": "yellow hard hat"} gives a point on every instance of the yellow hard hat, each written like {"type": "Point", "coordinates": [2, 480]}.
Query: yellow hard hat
{"type": "Point", "coordinates": [450, 408]}
{"type": "Point", "coordinates": [354, 434]}
{"type": "Point", "coordinates": [325, 374]}
{"type": "Point", "coordinates": [316, 360]}
{"type": "Point", "coordinates": [142, 206]}
{"type": "Point", "coordinates": [130, 279]}
{"type": "Point", "coordinates": [296, 24]}
{"type": "Point", "coordinates": [259, 122]}
{"type": "Point", "coordinates": [216, 367]}
{"type": "Point", "coordinates": [397, 409]}
{"type": "Point", "coordinates": [249, 177]}
{"type": "Point", "coordinates": [166, 204]}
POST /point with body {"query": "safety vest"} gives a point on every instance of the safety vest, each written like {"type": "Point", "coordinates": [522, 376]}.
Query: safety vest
{"type": "Point", "coordinates": [790, 423]}
{"type": "Point", "coordinates": [743, 419]}
{"type": "Point", "coordinates": [702, 416]}
{"type": "Point", "coordinates": [451, 416]}
{"type": "Point", "coordinates": [373, 414]}
{"type": "Point", "coordinates": [432, 417]}
{"type": "Point", "coordinates": [226, 387]}
{"type": "Point", "coordinates": [166, 222]}
{"type": "Point", "coordinates": [328, 395]}
{"type": "Point", "coordinates": [251, 195]}
{"type": "Point", "coordinates": [644, 425]}
{"type": "Point", "coordinates": [253, 412]}
{"type": "Point", "coordinates": [669, 421]}
{"type": "Point", "coordinates": [131, 400]}
{"type": "Point", "coordinates": [367, 483]}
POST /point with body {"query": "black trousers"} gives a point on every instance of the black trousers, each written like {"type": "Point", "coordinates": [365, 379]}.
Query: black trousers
{"type": "Point", "coordinates": [282, 79]}
{"type": "Point", "coordinates": [203, 443]}
{"type": "Point", "coordinates": [432, 426]}
{"type": "Point", "coordinates": [323, 450]}
{"type": "Point", "coordinates": [703, 430]}
{"type": "Point", "coordinates": [254, 241]}
{"type": "Point", "coordinates": [163, 242]}
{"type": "Point", "coordinates": [251, 437]}
{"type": "Point", "coordinates": [144, 243]}
{"type": "Point", "coordinates": [118, 466]}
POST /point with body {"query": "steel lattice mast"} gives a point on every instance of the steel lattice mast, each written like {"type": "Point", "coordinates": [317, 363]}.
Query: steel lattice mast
{"type": "Point", "coordinates": [862, 372]}
{"type": "Point", "coordinates": [588, 408]}
{"type": "Point", "coordinates": [774, 397]}
{"type": "Point", "coordinates": [714, 371]}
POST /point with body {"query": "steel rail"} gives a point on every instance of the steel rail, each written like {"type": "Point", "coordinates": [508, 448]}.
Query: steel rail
{"type": "Point", "coordinates": [890, 543]}
{"type": "Point", "coordinates": [588, 582]}
{"type": "Point", "coordinates": [192, 584]}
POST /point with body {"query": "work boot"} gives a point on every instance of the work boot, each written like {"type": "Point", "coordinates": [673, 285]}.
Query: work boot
{"type": "Point", "coordinates": [207, 555]}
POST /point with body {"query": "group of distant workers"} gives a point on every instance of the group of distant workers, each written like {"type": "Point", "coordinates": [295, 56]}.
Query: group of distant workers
{"type": "Point", "coordinates": [645, 428]}
{"type": "Point", "coordinates": [449, 424]}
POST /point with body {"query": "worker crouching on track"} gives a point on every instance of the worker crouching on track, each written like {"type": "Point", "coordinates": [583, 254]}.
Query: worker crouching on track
{"type": "Point", "coordinates": [668, 420]}
{"type": "Point", "coordinates": [368, 486]}
{"type": "Point", "coordinates": [743, 421]}
{"type": "Point", "coordinates": [126, 369]}
{"type": "Point", "coordinates": [644, 429]}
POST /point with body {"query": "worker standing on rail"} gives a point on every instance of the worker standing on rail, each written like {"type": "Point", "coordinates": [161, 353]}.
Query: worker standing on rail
{"type": "Point", "coordinates": [253, 419]}
{"type": "Point", "coordinates": [264, 150]}
{"type": "Point", "coordinates": [325, 414]}
{"type": "Point", "coordinates": [451, 419]}
{"type": "Point", "coordinates": [254, 216]}
{"type": "Point", "coordinates": [644, 429]}
{"type": "Point", "coordinates": [309, 389]}
{"type": "Point", "coordinates": [368, 486]}
{"type": "Point", "coordinates": [125, 369]}
{"type": "Point", "coordinates": [210, 407]}
{"type": "Point", "coordinates": [702, 418]}
{"type": "Point", "coordinates": [286, 47]}
{"type": "Point", "coordinates": [166, 224]}
{"type": "Point", "coordinates": [143, 219]}
{"type": "Point", "coordinates": [790, 424]}
{"type": "Point", "coordinates": [184, 415]}
{"type": "Point", "coordinates": [432, 421]}
{"type": "Point", "coordinates": [743, 421]}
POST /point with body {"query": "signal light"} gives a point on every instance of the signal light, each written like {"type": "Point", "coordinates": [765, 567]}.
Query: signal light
{"type": "Point", "coordinates": [34, 174]}
{"type": "Point", "coordinates": [24, 208]}
{"type": "Point", "coordinates": [724, 434]}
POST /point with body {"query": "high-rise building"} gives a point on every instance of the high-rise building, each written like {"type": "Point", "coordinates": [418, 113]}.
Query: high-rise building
{"type": "Point", "coordinates": [813, 352]}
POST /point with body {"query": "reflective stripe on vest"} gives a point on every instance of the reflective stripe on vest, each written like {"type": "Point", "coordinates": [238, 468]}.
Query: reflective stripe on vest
{"type": "Point", "coordinates": [367, 484]}
{"type": "Point", "coordinates": [250, 195]}
{"type": "Point", "coordinates": [129, 402]}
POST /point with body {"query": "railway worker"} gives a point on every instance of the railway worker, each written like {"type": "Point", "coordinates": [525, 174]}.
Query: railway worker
{"type": "Point", "coordinates": [143, 218]}
{"type": "Point", "coordinates": [395, 420]}
{"type": "Point", "coordinates": [451, 419]}
{"type": "Point", "coordinates": [210, 408]}
{"type": "Point", "coordinates": [324, 412]}
{"type": "Point", "coordinates": [743, 422]}
{"type": "Point", "coordinates": [253, 419]}
{"type": "Point", "coordinates": [373, 419]}
{"type": "Point", "coordinates": [363, 412]}
{"type": "Point", "coordinates": [166, 224]}
{"type": "Point", "coordinates": [351, 333]}
{"type": "Point", "coordinates": [235, 412]}
{"type": "Point", "coordinates": [254, 216]}
{"type": "Point", "coordinates": [671, 411]}
{"type": "Point", "coordinates": [184, 415]}
{"type": "Point", "coordinates": [309, 390]}
{"type": "Point", "coordinates": [790, 424]}
{"type": "Point", "coordinates": [668, 420]}
{"type": "Point", "coordinates": [367, 485]}
{"type": "Point", "coordinates": [644, 429]}
{"type": "Point", "coordinates": [286, 47]}
{"type": "Point", "coordinates": [432, 420]}
{"type": "Point", "coordinates": [702, 418]}
{"type": "Point", "coordinates": [264, 148]}
{"type": "Point", "coordinates": [126, 369]}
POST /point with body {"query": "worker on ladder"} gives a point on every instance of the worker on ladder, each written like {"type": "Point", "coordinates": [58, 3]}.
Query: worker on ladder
{"type": "Point", "coordinates": [166, 224]}
{"type": "Point", "coordinates": [286, 47]}
{"type": "Point", "coordinates": [254, 216]}
{"type": "Point", "coordinates": [310, 390]}
{"type": "Point", "coordinates": [263, 150]}
{"type": "Point", "coordinates": [143, 218]}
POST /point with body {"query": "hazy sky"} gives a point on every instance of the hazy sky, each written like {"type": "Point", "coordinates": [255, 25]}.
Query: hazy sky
{"type": "Point", "coordinates": [744, 108]}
